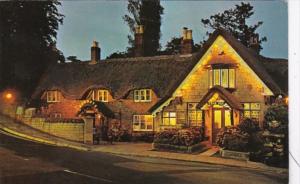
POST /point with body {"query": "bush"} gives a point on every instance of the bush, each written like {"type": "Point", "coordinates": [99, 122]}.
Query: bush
{"type": "Point", "coordinates": [275, 135]}
{"type": "Point", "coordinates": [144, 137]}
{"type": "Point", "coordinates": [245, 138]}
{"type": "Point", "coordinates": [182, 137]}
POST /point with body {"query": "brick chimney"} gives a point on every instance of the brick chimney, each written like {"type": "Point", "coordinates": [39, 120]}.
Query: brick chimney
{"type": "Point", "coordinates": [187, 41]}
{"type": "Point", "coordinates": [139, 41]}
{"type": "Point", "coordinates": [254, 43]}
{"type": "Point", "coordinates": [95, 53]}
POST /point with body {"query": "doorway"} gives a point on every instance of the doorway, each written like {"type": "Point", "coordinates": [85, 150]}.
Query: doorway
{"type": "Point", "coordinates": [221, 118]}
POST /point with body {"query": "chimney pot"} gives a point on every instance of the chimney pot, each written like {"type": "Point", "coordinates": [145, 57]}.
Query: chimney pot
{"type": "Point", "coordinates": [95, 53]}
{"type": "Point", "coordinates": [139, 41]}
{"type": "Point", "coordinates": [254, 43]}
{"type": "Point", "coordinates": [187, 41]}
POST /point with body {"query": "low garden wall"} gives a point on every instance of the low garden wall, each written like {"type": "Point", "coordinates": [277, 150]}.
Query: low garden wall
{"type": "Point", "coordinates": [71, 129]}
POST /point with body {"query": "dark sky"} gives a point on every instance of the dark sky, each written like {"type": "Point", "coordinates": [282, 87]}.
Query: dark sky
{"type": "Point", "coordinates": [86, 21]}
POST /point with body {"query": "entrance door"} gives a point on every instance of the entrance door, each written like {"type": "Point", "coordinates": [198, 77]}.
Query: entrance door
{"type": "Point", "coordinates": [221, 118]}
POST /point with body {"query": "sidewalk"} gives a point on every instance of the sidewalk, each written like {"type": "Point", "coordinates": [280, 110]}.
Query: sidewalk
{"type": "Point", "coordinates": [145, 150]}
{"type": "Point", "coordinates": [128, 149]}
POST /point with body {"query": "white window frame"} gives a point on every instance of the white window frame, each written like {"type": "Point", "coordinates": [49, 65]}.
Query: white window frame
{"type": "Point", "coordinates": [53, 96]}
{"type": "Point", "coordinates": [142, 95]}
{"type": "Point", "coordinates": [137, 123]}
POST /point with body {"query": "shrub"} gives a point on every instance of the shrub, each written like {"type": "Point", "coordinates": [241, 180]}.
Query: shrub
{"type": "Point", "coordinates": [182, 137]}
{"type": "Point", "coordinates": [144, 137]}
{"type": "Point", "coordinates": [245, 137]}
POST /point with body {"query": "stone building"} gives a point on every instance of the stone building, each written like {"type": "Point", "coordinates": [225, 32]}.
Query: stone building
{"type": "Point", "coordinates": [213, 88]}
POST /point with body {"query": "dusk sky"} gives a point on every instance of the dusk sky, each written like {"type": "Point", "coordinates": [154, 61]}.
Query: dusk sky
{"type": "Point", "coordinates": [102, 21]}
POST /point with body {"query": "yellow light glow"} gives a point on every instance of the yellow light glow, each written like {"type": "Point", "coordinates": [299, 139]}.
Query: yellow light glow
{"type": "Point", "coordinates": [286, 100]}
{"type": "Point", "coordinates": [8, 96]}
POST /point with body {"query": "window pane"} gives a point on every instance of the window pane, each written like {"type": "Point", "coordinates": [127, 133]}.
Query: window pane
{"type": "Point", "coordinates": [255, 114]}
{"type": "Point", "coordinates": [166, 114]}
{"type": "Point", "coordinates": [148, 97]}
{"type": "Point", "coordinates": [166, 121]}
{"type": "Point", "coordinates": [172, 114]}
{"type": "Point", "coordinates": [216, 77]}
{"type": "Point", "coordinates": [227, 118]}
{"type": "Point", "coordinates": [224, 76]}
{"type": "Point", "coordinates": [247, 114]}
{"type": "Point", "coordinates": [142, 97]}
{"type": "Point", "coordinates": [136, 95]}
{"type": "Point", "coordinates": [246, 105]}
{"type": "Point", "coordinates": [172, 121]}
{"type": "Point", "coordinates": [210, 78]}
{"type": "Point", "coordinates": [255, 106]}
{"type": "Point", "coordinates": [231, 78]}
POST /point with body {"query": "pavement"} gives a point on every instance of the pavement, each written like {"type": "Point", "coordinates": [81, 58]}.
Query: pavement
{"type": "Point", "coordinates": [28, 162]}
{"type": "Point", "coordinates": [23, 131]}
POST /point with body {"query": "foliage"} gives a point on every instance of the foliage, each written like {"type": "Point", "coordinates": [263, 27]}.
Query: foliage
{"type": "Point", "coordinates": [73, 59]}
{"type": "Point", "coordinates": [28, 31]}
{"type": "Point", "coordinates": [182, 137]}
{"type": "Point", "coordinates": [174, 45]}
{"type": "Point", "coordinates": [245, 137]}
{"type": "Point", "coordinates": [144, 137]}
{"type": "Point", "coordinates": [146, 13]}
{"type": "Point", "coordinates": [275, 150]}
{"type": "Point", "coordinates": [276, 119]}
{"type": "Point", "coordinates": [234, 20]}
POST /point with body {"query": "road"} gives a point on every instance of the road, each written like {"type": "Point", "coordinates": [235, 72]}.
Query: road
{"type": "Point", "coordinates": [23, 161]}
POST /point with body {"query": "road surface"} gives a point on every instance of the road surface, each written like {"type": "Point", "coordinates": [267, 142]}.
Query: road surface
{"type": "Point", "coordinates": [23, 161]}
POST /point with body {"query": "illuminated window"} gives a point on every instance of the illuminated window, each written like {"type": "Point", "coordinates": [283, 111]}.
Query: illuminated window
{"type": "Point", "coordinates": [224, 77]}
{"type": "Point", "coordinates": [252, 110]}
{"type": "Point", "coordinates": [103, 95]}
{"type": "Point", "coordinates": [142, 122]}
{"type": "Point", "coordinates": [169, 118]}
{"type": "Point", "coordinates": [194, 115]}
{"type": "Point", "coordinates": [142, 95]}
{"type": "Point", "coordinates": [98, 95]}
{"type": "Point", "coordinates": [53, 96]}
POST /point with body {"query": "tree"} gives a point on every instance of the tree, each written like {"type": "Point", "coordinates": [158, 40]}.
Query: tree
{"type": "Point", "coordinates": [235, 21]}
{"type": "Point", "coordinates": [28, 31]}
{"type": "Point", "coordinates": [174, 45]}
{"type": "Point", "coordinates": [73, 59]}
{"type": "Point", "coordinates": [146, 13]}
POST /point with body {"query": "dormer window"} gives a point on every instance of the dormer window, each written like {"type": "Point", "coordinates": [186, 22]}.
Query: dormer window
{"type": "Point", "coordinates": [98, 95]}
{"type": "Point", "coordinates": [224, 77]}
{"type": "Point", "coordinates": [142, 95]}
{"type": "Point", "coordinates": [53, 96]}
{"type": "Point", "coordinates": [103, 95]}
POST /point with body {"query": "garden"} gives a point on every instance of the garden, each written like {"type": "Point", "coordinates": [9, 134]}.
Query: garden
{"type": "Point", "coordinates": [186, 140]}
{"type": "Point", "coordinates": [249, 142]}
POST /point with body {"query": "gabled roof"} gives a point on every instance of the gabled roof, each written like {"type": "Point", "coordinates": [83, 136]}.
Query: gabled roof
{"type": "Point", "coordinates": [224, 94]}
{"type": "Point", "coordinates": [163, 74]}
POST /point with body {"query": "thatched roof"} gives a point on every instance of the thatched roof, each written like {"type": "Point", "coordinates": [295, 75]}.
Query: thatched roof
{"type": "Point", "coordinates": [159, 73]}
{"type": "Point", "coordinates": [162, 74]}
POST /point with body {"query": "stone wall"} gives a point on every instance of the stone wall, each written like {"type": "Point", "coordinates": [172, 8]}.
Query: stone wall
{"type": "Point", "coordinates": [65, 128]}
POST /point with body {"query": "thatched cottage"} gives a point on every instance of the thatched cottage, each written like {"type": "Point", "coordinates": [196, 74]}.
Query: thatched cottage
{"type": "Point", "coordinates": [215, 87]}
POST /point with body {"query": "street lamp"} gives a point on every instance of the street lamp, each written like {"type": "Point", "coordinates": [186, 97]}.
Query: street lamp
{"type": "Point", "coordinates": [8, 96]}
